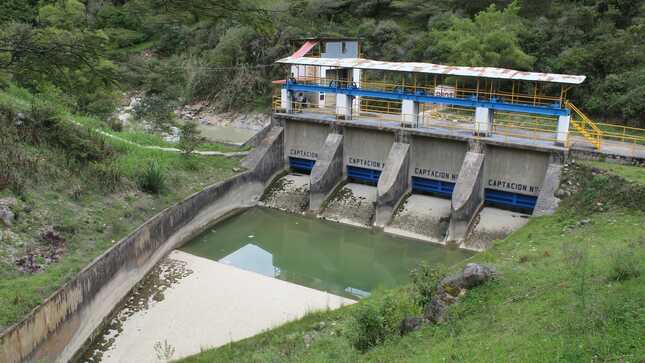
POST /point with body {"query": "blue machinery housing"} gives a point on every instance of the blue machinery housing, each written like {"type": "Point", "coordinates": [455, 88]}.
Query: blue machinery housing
{"type": "Point", "coordinates": [472, 102]}
{"type": "Point", "coordinates": [497, 198]}
{"type": "Point", "coordinates": [432, 186]}
{"type": "Point", "coordinates": [363, 175]}
{"type": "Point", "coordinates": [507, 200]}
{"type": "Point", "coordinates": [301, 165]}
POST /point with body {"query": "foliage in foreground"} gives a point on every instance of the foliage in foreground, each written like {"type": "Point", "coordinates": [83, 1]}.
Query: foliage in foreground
{"type": "Point", "coordinates": [565, 291]}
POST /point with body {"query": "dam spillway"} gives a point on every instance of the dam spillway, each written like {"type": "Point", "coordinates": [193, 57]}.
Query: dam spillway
{"type": "Point", "coordinates": [417, 183]}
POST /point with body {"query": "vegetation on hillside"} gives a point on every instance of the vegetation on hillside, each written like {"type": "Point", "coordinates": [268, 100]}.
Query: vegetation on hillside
{"type": "Point", "coordinates": [68, 193]}
{"type": "Point", "coordinates": [569, 287]}
{"type": "Point", "coordinates": [177, 51]}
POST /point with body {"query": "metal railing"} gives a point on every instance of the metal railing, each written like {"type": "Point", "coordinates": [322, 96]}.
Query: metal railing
{"type": "Point", "coordinates": [584, 126]}
{"type": "Point", "coordinates": [623, 139]}
{"type": "Point", "coordinates": [425, 119]}
{"type": "Point", "coordinates": [442, 90]}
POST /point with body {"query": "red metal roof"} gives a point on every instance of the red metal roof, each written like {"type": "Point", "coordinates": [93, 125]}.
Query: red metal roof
{"type": "Point", "coordinates": [309, 44]}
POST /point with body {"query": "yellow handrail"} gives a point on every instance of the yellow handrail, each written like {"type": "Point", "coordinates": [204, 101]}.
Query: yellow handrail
{"type": "Point", "coordinates": [587, 128]}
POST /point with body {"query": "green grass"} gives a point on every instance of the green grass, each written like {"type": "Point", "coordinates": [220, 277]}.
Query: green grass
{"type": "Point", "coordinates": [556, 297]}
{"type": "Point", "coordinates": [73, 199]}
{"type": "Point", "coordinates": [22, 100]}
{"type": "Point", "coordinates": [92, 223]}
{"type": "Point", "coordinates": [148, 139]}
{"type": "Point", "coordinates": [634, 174]}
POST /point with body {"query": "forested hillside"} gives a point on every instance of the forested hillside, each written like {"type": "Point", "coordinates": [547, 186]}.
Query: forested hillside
{"type": "Point", "coordinates": [85, 54]}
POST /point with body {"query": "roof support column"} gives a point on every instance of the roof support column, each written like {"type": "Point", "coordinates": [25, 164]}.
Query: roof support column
{"type": "Point", "coordinates": [356, 78]}
{"type": "Point", "coordinates": [344, 106]}
{"type": "Point", "coordinates": [410, 113]}
{"type": "Point", "coordinates": [286, 100]}
{"type": "Point", "coordinates": [483, 121]}
{"type": "Point", "coordinates": [563, 130]}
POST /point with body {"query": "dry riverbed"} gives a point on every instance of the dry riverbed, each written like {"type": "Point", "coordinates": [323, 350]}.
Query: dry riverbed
{"type": "Point", "coordinates": [189, 303]}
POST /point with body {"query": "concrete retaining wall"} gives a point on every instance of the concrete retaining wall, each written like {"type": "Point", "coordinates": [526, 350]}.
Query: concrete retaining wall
{"type": "Point", "coordinates": [327, 172]}
{"type": "Point", "coordinates": [393, 183]}
{"type": "Point", "coordinates": [468, 196]}
{"type": "Point", "coordinates": [304, 140]}
{"type": "Point", "coordinates": [58, 328]}
{"type": "Point", "coordinates": [436, 159]}
{"type": "Point", "coordinates": [515, 171]}
{"type": "Point", "coordinates": [366, 148]}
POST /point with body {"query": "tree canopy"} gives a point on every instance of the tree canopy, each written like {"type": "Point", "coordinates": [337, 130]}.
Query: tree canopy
{"type": "Point", "coordinates": [179, 51]}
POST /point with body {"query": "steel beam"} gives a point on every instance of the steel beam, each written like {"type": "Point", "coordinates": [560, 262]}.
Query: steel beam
{"type": "Point", "coordinates": [462, 102]}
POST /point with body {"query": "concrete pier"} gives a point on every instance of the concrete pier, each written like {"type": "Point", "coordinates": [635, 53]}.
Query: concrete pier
{"type": "Point", "coordinates": [327, 173]}
{"type": "Point", "coordinates": [393, 183]}
{"type": "Point", "coordinates": [547, 202]}
{"type": "Point", "coordinates": [467, 197]}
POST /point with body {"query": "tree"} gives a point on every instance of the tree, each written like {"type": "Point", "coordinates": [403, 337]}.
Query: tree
{"type": "Point", "coordinates": [490, 39]}
{"type": "Point", "coordinates": [189, 137]}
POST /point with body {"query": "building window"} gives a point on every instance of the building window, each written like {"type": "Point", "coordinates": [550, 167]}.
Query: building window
{"type": "Point", "coordinates": [343, 47]}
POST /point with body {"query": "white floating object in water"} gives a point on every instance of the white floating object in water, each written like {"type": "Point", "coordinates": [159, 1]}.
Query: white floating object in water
{"type": "Point", "coordinates": [251, 236]}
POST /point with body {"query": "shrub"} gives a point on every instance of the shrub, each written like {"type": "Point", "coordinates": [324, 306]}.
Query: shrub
{"type": "Point", "coordinates": [115, 124]}
{"type": "Point", "coordinates": [424, 281]}
{"type": "Point", "coordinates": [108, 174]}
{"type": "Point", "coordinates": [377, 320]}
{"type": "Point", "coordinates": [44, 124]}
{"type": "Point", "coordinates": [625, 265]}
{"type": "Point", "coordinates": [152, 179]}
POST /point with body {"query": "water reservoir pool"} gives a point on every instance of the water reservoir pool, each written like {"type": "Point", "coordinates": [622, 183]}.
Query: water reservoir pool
{"type": "Point", "coordinates": [315, 253]}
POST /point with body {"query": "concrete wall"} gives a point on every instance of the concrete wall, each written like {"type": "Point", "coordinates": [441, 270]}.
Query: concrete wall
{"type": "Point", "coordinates": [366, 148]}
{"type": "Point", "coordinates": [547, 202]}
{"type": "Point", "coordinates": [59, 327]}
{"type": "Point", "coordinates": [393, 183]}
{"type": "Point", "coordinates": [327, 172]}
{"type": "Point", "coordinates": [436, 158]}
{"type": "Point", "coordinates": [304, 139]}
{"type": "Point", "coordinates": [516, 171]}
{"type": "Point", "coordinates": [468, 196]}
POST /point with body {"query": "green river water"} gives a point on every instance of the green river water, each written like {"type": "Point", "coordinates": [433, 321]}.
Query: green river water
{"type": "Point", "coordinates": [322, 255]}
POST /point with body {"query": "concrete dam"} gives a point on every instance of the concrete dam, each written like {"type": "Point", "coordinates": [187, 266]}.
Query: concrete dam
{"type": "Point", "coordinates": [448, 188]}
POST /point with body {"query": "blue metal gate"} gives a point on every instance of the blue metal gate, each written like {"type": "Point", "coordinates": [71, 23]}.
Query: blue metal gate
{"type": "Point", "coordinates": [432, 186]}
{"type": "Point", "coordinates": [508, 200]}
{"type": "Point", "coordinates": [301, 165]}
{"type": "Point", "coordinates": [363, 175]}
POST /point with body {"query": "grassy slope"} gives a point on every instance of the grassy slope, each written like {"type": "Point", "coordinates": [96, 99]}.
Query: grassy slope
{"type": "Point", "coordinates": [556, 298]}
{"type": "Point", "coordinates": [89, 217]}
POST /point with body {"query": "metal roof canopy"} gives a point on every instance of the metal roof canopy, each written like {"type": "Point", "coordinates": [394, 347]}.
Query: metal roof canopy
{"type": "Point", "coordinates": [416, 67]}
